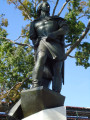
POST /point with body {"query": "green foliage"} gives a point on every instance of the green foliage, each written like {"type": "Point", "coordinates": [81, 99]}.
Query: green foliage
{"type": "Point", "coordinates": [29, 7]}
{"type": "Point", "coordinates": [16, 64]}
{"type": "Point", "coordinates": [83, 55]}
{"type": "Point", "coordinates": [76, 10]}
{"type": "Point", "coordinates": [25, 30]}
{"type": "Point", "coordinates": [75, 26]}
{"type": "Point", "coordinates": [3, 23]}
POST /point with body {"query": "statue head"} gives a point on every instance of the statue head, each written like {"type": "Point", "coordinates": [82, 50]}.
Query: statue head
{"type": "Point", "coordinates": [43, 9]}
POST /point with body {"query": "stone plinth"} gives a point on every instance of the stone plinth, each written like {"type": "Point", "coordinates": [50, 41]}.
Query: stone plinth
{"type": "Point", "coordinates": [37, 99]}
{"type": "Point", "coordinates": [58, 113]}
{"type": "Point", "coordinates": [16, 111]}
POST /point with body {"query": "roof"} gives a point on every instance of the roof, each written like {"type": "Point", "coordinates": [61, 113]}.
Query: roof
{"type": "Point", "coordinates": [82, 113]}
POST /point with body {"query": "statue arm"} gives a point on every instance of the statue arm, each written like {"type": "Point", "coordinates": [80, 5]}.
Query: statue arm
{"type": "Point", "coordinates": [33, 34]}
{"type": "Point", "coordinates": [63, 29]}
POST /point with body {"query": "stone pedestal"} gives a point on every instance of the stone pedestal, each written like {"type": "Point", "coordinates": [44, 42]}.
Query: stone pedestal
{"type": "Point", "coordinates": [37, 99]}
{"type": "Point", "coordinates": [38, 102]}
{"type": "Point", "coordinates": [16, 112]}
{"type": "Point", "coordinates": [58, 113]}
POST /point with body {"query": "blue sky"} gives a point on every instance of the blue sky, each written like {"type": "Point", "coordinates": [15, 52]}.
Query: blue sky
{"type": "Point", "coordinates": [77, 78]}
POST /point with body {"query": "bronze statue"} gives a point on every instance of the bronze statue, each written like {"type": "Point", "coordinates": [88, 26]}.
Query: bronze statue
{"type": "Point", "coordinates": [47, 34]}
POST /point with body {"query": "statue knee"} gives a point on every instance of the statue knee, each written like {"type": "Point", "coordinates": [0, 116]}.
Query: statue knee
{"type": "Point", "coordinates": [41, 57]}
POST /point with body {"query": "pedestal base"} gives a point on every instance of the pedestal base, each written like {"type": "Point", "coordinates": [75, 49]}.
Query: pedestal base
{"type": "Point", "coordinates": [58, 113]}
{"type": "Point", "coordinates": [37, 99]}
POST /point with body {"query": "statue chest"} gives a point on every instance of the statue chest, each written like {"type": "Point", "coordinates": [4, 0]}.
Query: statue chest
{"type": "Point", "coordinates": [46, 26]}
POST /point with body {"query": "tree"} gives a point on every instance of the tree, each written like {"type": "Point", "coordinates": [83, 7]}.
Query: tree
{"type": "Point", "coordinates": [16, 56]}
{"type": "Point", "coordinates": [16, 65]}
{"type": "Point", "coordinates": [78, 9]}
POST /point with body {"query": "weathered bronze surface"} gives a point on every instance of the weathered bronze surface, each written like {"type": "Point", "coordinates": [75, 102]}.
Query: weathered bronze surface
{"type": "Point", "coordinates": [34, 100]}
{"type": "Point", "coordinates": [47, 34]}
{"type": "Point", "coordinates": [39, 98]}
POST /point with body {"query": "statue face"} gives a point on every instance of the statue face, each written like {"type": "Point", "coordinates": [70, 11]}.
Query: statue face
{"type": "Point", "coordinates": [45, 7]}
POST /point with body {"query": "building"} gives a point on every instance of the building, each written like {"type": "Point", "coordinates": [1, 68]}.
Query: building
{"type": "Point", "coordinates": [78, 113]}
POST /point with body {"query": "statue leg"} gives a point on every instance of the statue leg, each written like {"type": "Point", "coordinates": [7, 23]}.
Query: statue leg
{"type": "Point", "coordinates": [38, 69]}
{"type": "Point", "coordinates": [57, 79]}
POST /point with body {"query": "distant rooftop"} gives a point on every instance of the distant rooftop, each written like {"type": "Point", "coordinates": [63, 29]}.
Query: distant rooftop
{"type": "Point", "coordinates": [78, 113]}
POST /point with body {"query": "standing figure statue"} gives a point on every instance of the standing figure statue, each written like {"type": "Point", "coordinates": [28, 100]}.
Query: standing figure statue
{"type": "Point", "coordinates": [47, 34]}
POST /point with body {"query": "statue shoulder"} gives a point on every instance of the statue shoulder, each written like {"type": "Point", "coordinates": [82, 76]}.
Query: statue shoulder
{"type": "Point", "coordinates": [61, 21]}
{"type": "Point", "coordinates": [57, 17]}
{"type": "Point", "coordinates": [32, 23]}
{"type": "Point", "coordinates": [35, 20]}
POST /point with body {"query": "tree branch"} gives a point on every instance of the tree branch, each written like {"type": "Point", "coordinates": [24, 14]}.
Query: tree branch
{"type": "Point", "coordinates": [35, 5]}
{"type": "Point", "coordinates": [16, 42]}
{"type": "Point", "coordinates": [82, 16]}
{"type": "Point", "coordinates": [25, 10]}
{"type": "Point", "coordinates": [16, 87]}
{"type": "Point", "coordinates": [63, 7]}
{"type": "Point", "coordinates": [79, 40]}
{"type": "Point", "coordinates": [71, 56]}
{"type": "Point", "coordinates": [19, 84]}
{"type": "Point", "coordinates": [55, 7]}
{"type": "Point", "coordinates": [20, 37]}
{"type": "Point", "coordinates": [67, 45]}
